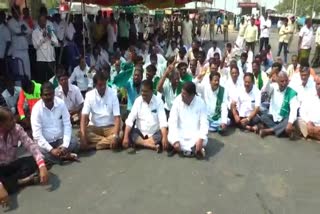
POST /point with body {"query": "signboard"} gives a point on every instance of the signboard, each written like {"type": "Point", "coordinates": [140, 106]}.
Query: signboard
{"type": "Point", "coordinates": [247, 4]}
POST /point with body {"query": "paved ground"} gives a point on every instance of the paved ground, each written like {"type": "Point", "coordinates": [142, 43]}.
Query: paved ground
{"type": "Point", "coordinates": [244, 174]}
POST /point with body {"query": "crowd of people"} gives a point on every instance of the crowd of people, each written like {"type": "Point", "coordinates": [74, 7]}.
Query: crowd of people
{"type": "Point", "coordinates": [124, 89]}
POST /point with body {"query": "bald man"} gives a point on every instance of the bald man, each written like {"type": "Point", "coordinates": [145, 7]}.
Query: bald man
{"type": "Point", "coordinates": [309, 121]}
{"type": "Point", "coordinates": [283, 107]}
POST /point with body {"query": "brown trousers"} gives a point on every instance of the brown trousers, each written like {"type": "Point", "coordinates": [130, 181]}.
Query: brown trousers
{"type": "Point", "coordinates": [102, 137]}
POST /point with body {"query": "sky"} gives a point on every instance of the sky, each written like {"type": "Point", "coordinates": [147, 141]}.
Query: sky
{"type": "Point", "coordinates": [232, 5]}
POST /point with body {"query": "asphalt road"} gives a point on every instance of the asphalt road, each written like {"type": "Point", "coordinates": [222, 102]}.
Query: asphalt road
{"type": "Point", "coordinates": [243, 174]}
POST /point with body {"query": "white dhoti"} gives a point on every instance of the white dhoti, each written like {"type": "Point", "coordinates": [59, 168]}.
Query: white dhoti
{"type": "Point", "coordinates": [186, 142]}
{"type": "Point", "coordinates": [24, 56]}
{"type": "Point", "coordinates": [240, 42]}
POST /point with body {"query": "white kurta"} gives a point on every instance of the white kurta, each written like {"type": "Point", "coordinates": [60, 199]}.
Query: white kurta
{"type": "Point", "coordinates": [188, 123]}
{"type": "Point", "coordinates": [187, 33]}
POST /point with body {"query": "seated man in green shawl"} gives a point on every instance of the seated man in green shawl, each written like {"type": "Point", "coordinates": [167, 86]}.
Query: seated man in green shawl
{"type": "Point", "coordinates": [283, 107]}
{"type": "Point", "coordinates": [215, 98]}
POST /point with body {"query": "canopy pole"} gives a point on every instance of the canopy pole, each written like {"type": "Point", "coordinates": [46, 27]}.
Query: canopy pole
{"type": "Point", "coordinates": [64, 36]}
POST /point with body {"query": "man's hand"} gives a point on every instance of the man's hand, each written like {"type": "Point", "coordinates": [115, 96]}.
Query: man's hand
{"type": "Point", "coordinates": [4, 197]}
{"type": "Point", "coordinates": [56, 152]}
{"type": "Point", "coordinates": [44, 175]}
{"type": "Point", "coordinates": [63, 151]}
{"type": "Point", "coordinates": [237, 119]}
{"type": "Point", "coordinates": [125, 142]}
{"type": "Point", "coordinates": [223, 126]}
{"type": "Point", "coordinates": [289, 128]}
{"type": "Point", "coordinates": [177, 146]}
{"type": "Point", "coordinates": [164, 143]}
{"type": "Point", "coordinates": [115, 142]}
{"type": "Point", "coordinates": [199, 145]}
{"type": "Point", "coordinates": [244, 121]}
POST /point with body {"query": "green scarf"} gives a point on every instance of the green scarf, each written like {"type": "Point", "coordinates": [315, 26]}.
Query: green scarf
{"type": "Point", "coordinates": [55, 82]}
{"type": "Point", "coordinates": [186, 78]}
{"type": "Point", "coordinates": [285, 108]}
{"type": "Point", "coordinates": [217, 114]}
{"type": "Point", "coordinates": [155, 84]}
{"type": "Point", "coordinates": [123, 77]}
{"type": "Point", "coordinates": [260, 81]}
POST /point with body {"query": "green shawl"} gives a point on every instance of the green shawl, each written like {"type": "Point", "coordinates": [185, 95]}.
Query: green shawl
{"type": "Point", "coordinates": [217, 114]}
{"type": "Point", "coordinates": [285, 108]}
{"type": "Point", "coordinates": [260, 81]}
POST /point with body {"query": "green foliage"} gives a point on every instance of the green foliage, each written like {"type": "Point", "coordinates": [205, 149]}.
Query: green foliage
{"type": "Point", "coordinates": [304, 7]}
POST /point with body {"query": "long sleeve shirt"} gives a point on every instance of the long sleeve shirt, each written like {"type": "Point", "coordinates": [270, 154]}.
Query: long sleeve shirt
{"type": "Point", "coordinates": [276, 101]}
{"type": "Point", "coordinates": [19, 42]}
{"type": "Point", "coordinates": [44, 45]}
{"type": "Point", "coordinates": [149, 117]}
{"type": "Point", "coordinates": [50, 125]}
{"type": "Point", "coordinates": [284, 34]}
{"type": "Point", "coordinates": [188, 121]}
{"type": "Point", "coordinates": [9, 146]}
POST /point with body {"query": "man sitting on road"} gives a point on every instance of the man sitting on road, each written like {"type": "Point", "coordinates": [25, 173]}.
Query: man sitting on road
{"type": "Point", "coordinates": [309, 121]}
{"type": "Point", "coordinates": [51, 127]}
{"type": "Point", "coordinates": [188, 123]}
{"type": "Point", "coordinates": [283, 107]}
{"type": "Point", "coordinates": [216, 101]}
{"type": "Point", "coordinates": [104, 128]}
{"type": "Point", "coordinates": [150, 130]}
{"type": "Point", "coordinates": [246, 107]}
{"type": "Point", "coordinates": [16, 172]}
{"type": "Point", "coordinates": [70, 94]}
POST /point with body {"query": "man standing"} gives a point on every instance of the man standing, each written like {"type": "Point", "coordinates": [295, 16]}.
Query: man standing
{"type": "Point", "coordinates": [316, 59]}
{"type": "Point", "coordinates": [5, 41]}
{"type": "Point", "coordinates": [43, 39]}
{"type": "Point", "coordinates": [19, 47]}
{"type": "Point", "coordinates": [187, 32]}
{"type": "Point", "coordinates": [265, 33]}
{"type": "Point", "coordinates": [283, 108]}
{"type": "Point", "coordinates": [211, 28]}
{"type": "Point", "coordinates": [148, 113]}
{"type": "Point", "coordinates": [284, 34]}
{"type": "Point", "coordinates": [251, 35]}
{"type": "Point", "coordinates": [51, 127]}
{"type": "Point", "coordinates": [123, 27]}
{"type": "Point", "coordinates": [305, 42]}
{"type": "Point", "coordinates": [188, 123]}
{"type": "Point", "coordinates": [16, 172]}
{"type": "Point", "coordinates": [102, 105]}
{"type": "Point", "coordinates": [219, 23]}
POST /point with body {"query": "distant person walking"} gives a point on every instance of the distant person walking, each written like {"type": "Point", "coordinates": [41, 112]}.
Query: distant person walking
{"type": "Point", "coordinates": [305, 42]}
{"type": "Point", "coordinates": [219, 23]}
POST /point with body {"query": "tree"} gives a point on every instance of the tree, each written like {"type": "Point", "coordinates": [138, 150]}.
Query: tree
{"type": "Point", "coordinates": [304, 7]}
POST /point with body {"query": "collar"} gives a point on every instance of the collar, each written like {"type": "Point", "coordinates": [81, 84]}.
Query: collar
{"type": "Point", "coordinates": [98, 95]}
{"type": "Point", "coordinates": [55, 104]}
{"type": "Point", "coordinates": [69, 86]}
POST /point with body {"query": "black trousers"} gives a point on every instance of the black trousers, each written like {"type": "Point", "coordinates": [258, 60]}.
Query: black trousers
{"type": "Point", "coordinates": [18, 169]}
{"type": "Point", "coordinates": [264, 42]}
{"type": "Point", "coordinates": [45, 70]}
{"type": "Point", "coordinates": [123, 43]}
{"type": "Point", "coordinates": [251, 45]}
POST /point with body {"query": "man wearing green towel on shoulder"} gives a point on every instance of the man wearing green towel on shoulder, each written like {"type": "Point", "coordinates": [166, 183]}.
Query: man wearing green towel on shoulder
{"type": "Point", "coordinates": [283, 107]}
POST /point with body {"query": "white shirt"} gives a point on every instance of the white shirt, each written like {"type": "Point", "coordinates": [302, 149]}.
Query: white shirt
{"type": "Point", "coordinates": [69, 31]}
{"type": "Point", "coordinates": [247, 102]}
{"type": "Point", "coordinates": [212, 51]}
{"type": "Point", "coordinates": [12, 100]}
{"type": "Point", "coordinates": [276, 101]}
{"type": "Point", "coordinates": [82, 77]}
{"type": "Point", "coordinates": [309, 110]}
{"type": "Point", "coordinates": [161, 59]}
{"type": "Point", "coordinates": [101, 109]}
{"type": "Point", "coordinates": [49, 126]}
{"type": "Point", "coordinates": [318, 36]}
{"type": "Point", "coordinates": [210, 99]}
{"type": "Point", "coordinates": [307, 37]}
{"type": "Point", "coordinates": [149, 118]}
{"type": "Point", "coordinates": [44, 45]}
{"type": "Point", "coordinates": [73, 99]}
{"type": "Point", "coordinates": [303, 91]}
{"type": "Point", "coordinates": [60, 29]}
{"type": "Point", "coordinates": [265, 32]}
{"type": "Point", "coordinates": [187, 122]}
{"type": "Point", "coordinates": [169, 94]}
{"type": "Point", "coordinates": [4, 38]}
{"type": "Point", "coordinates": [18, 42]}
{"type": "Point", "coordinates": [233, 90]}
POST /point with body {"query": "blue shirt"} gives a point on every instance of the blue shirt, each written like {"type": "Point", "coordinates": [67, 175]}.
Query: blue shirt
{"type": "Point", "coordinates": [266, 65]}
{"type": "Point", "coordinates": [132, 93]}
